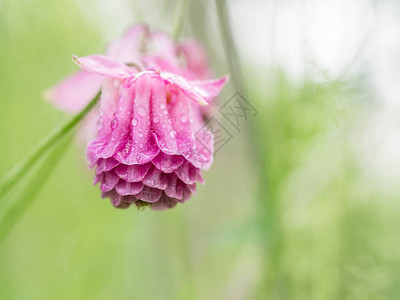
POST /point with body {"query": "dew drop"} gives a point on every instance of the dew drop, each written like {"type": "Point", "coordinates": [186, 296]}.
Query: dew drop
{"type": "Point", "coordinates": [141, 112]}
{"type": "Point", "coordinates": [134, 122]}
{"type": "Point", "coordinates": [172, 133]}
{"type": "Point", "coordinates": [156, 119]}
{"type": "Point", "coordinates": [165, 112]}
{"type": "Point", "coordinates": [184, 119]}
{"type": "Point", "coordinates": [141, 145]}
{"type": "Point", "coordinates": [113, 124]}
{"type": "Point", "coordinates": [162, 106]}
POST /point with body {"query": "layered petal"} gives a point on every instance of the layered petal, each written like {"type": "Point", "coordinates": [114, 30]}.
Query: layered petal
{"type": "Point", "coordinates": [75, 92]}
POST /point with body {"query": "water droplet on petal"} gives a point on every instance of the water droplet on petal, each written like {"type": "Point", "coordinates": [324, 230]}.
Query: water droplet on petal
{"type": "Point", "coordinates": [141, 112]}
{"type": "Point", "coordinates": [165, 112]}
{"type": "Point", "coordinates": [184, 119]}
{"type": "Point", "coordinates": [162, 106]}
{"type": "Point", "coordinates": [172, 133]}
{"type": "Point", "coordinates": [134, 122]}
{"type": "Point", "coordinates": [156, 119]}
{"type": "Point", "coordinates": [141, 145]}
{"type": "Point", "coordinates": [113, 124]}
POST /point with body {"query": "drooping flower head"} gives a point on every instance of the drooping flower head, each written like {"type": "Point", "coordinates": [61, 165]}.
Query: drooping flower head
{"type": "Point", "coordinates": [147, 149]}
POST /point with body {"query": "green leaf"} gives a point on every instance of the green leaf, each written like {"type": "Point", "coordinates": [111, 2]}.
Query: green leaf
{"type": "Point", "coordinates": [30, 190]}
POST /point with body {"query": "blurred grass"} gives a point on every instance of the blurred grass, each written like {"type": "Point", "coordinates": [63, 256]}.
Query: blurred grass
{"type": "Point", "coordinates": [297, 219]}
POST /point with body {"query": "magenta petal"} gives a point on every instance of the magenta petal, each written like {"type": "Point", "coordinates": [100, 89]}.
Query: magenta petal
{"type": "Point", "coordinates": [127, 48]}
{"type": "Point", "coordinates": [133, 173]}
{"type": "Point", "coordinates": [187, 173]}
{"type": "Point", "coordinates": [163, 131]}
{"type": "Point", "coordinates": [196, 58]}
{"type": "Point", "coordinates": [186, 194]}
{"type": "Point", "coordinates": [181, 116]}
{"type": "Point", "coordinates": [75, 92]}
{"type": "Point", "coordinates": [156, 179]}
{"type": "Point", "coordinates": [108, 181]}
{"type": "Point", "coordinates": [192, 188]}
{"type": "Point", "coordinates": [110, 96]}
{"type": "Point", "coordinates": [107, 145]}
{"type": "Point", "coordinates": [149, 194]}
{"type": "Point", "coordinates": [103, 65]}
{"type": "Point", "coordinates": [163, 46]}
{"type": "Point", "coordinates": [185, 87]}
{"type": "Point", "coordinates": [167, 163]}
{"type": "Point", "coordinates": [142, 146]}
{"type": "Point", "coordinates": [114, 197]}
{"type": "Point", "coordinates": [209, 89]}
{"type": "Point", "coordinates": [164, 202]}
{"type": "Point", "coordinates": [124, 188]}
{"type": "Point", "coordinates": [105, 165]}
{"type": "Point", "coordinates": [175, 187]}
{"type": "Point", "coordinates": [201, 155]}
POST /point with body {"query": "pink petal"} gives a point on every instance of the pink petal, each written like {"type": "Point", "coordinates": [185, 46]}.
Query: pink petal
{"type": "Point", "coordinates": [209, 89]}
{"type": "Point", "coordinates": [156, 179]}
{"type": "Point", "coordinates": [114, 197]}
{"type": "Point", "coordinates": [133, 173]}
{"type": "Point", "coordinates": [114, 136]}
{"type": "Point", "coordinates": [127, 48]}
{"type": "Point", "coordinates": [201, 155]}
{"type": "Point", "coordinates": [185, 86]}
{"type": "Point", "coordinates": [187, 173]}
{"type": "Point", "coordinates": [163, 46]}
{"type": "Point", "coordinates": [142, 147]}
{"type": "Point", "coordinates": [163, 202]}
{"type": "Point", "coordinates": [149, 194]}
{"type": "Point", "coordinates": [124, 188]}
{"type": "Point", "coordinates": [175, 187]}
{"type": "Point", "coordinates": [181, 116]}
{"type": "Point", "coordinates": [167, 163]}
{"type": "Point", "coordinates": [108, 181]}
{"type": "Point", "coordinates": [105, 165]}
{"type": "Point", "coordinates": [75, 92]}
{"type": "Point", "coordinates": [196, 58]}
{"type": "Point", "coordinates": [103, 65]}
{"type": "Point", "coordinates": [163, 131]}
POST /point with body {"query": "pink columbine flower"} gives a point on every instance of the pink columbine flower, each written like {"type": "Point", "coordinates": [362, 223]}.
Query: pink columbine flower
{"type": "Point", "coordinates": [149, 148]}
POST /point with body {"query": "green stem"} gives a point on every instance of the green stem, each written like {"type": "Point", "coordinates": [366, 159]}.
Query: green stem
{"type": "Point", "coordinates": [35, 182]}
{"type": "Point", "coordinates": [229, 45]}
{"type": "Point", "coordinates": [19, 170]}
{"type": "Point", "coordinates": [179, 18]}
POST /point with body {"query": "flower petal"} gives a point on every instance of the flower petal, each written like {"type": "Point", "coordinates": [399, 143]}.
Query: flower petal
{"type": "Point", "coordinates": [209, 89]}
{"type": "Point", "coordinates": [108, 181]}
{"type": "Point", "coordinates": [124, 188]}
{"type": "Point", "coordinates": [167, 163]}
{"type": "Point", "coordinates": [149, 194]}
{"type": "Point", "coordinates": [103, 65]}
{"type": "Point", "coordinates": [75, 92]}
{"type": "Point", "coordinates": [133, 173]}
{"type": "Point", "coordinates": [196, 58]}
{"type": "Point", "coordinates": [128, 47]}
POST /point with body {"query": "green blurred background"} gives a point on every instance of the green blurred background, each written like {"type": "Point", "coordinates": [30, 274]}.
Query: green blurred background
{"type": "Point", "coordinates": [301, 204]}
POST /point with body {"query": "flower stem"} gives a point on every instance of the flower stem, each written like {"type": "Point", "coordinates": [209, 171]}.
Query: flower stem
{"type": "Point", "coordinates": [229, 45]}
{"type": "Point", "coordinates": [179, 18]}
{"type": "Point", "coordinates": [34, 184]}
{"type": "Point", "coordinates": [19, 170]}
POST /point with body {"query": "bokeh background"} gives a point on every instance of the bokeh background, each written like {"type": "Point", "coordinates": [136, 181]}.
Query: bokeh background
{"type": "Point", "coordinates": [303, 202]}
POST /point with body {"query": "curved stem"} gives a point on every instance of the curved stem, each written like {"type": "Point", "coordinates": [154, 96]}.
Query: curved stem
{"type": "Point", "coordinates": [19, 170]}
{"type": "Point", "coordinates": [179, 17]}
